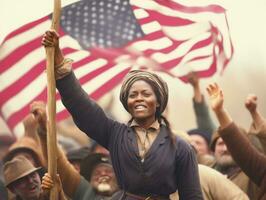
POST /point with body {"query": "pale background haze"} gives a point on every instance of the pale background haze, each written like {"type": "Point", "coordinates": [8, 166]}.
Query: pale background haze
{"type": "Point", "coordinates": [245, 74]}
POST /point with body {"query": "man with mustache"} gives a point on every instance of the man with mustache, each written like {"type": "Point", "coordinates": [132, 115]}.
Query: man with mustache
{"type": "Point", "coordinates": [97, 169]}
{"type": "Point", "coordinates": [225, 164]}
{"type": "Point", "coordinates": [224, 161]}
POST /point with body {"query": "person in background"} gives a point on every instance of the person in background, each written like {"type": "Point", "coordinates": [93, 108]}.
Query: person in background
{"type": "Point", "coordinates": [200, 136]}
{"type": "Point", "coordinates": [101, 182]}
{"type": "Point", "coordinates": [28, 146]}
{"type": "Point", "coordinates": [47, 185]}
{"type": "Point", "coordinates": [258, 126]}
{"type": "Point", "coordinates": [251, 161]}
{"type": "Point", "coordinates": [200, 140]}
{"type": "Point", "coordinates": [225, 163]}
{"type": "Point", "coordinates": [148, 160]}
{"type": "Point", "coordinates": [97, 169]}
{"type": "Point", "coordinates": [22, 178]}
{"type": "Point", "coordinates": [75, 156]}
{"type": "Point", "coordinates": [214, 185]}
{"type": "Point", "coordinates": [6, 140]}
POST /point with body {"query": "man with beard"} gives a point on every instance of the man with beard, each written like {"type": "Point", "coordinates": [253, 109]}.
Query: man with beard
{"type": "Point", "coordinates": [224, 161]}
{"type": "Point", "coordinates": [225, 164]}
{"type": "Point", "coordinates": [97, 169]}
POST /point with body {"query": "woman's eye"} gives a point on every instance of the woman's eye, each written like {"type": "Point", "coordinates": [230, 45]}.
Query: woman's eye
{"type": "Point", "coordinates": [131, 95]}
{"type": "Point", "coordinates": [146, 94]}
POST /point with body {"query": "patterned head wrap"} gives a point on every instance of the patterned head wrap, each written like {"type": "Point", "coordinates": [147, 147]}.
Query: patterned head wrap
{"type": "Point", "coordinates": [158, 85]}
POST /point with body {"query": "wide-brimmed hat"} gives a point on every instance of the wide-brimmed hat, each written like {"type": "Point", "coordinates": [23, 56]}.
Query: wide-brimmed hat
{"type": "Point", "coordinates": [90, 162]}
{"type": "Point", "coordinates": [78, 154]}
{"type": "Point", "coordinates": [25, 144]}
{"type": "Point", "coordinates": [17, 168]}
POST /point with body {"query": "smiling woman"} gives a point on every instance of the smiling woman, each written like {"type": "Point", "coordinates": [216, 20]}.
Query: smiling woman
{"type": "Point", "coordinates": [148, 161]}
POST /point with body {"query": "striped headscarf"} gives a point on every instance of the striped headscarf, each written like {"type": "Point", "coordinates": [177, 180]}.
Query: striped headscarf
{"type": "Point", "coordinates": [157, 83]}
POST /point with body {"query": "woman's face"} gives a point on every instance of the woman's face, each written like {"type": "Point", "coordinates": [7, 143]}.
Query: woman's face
{"type": "Point", "coordinates": [142, 102]}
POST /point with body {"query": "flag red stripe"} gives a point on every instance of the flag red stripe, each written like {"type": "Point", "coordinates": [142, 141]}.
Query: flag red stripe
{"type": "Point", "coordinates": [18, 116]}
{"type": "Point", "coordinates": [19, 53]}
{"type": "Point", "coordinates": [191, 9]}
{"type": "Point", "coordinates": [62, 115]}
{"type": "Point", "coordinates": [165, 20]}
{"type": "Point", "coordinates": [95, 73]}
{"type": "Point", "coordinates": [205, 73]}
{"type": "Point", "coordinates": [83, 62]}
{"type": "Point", "coordinates": [106, 87]}
{"type": "Point", "coordinates": [27, 78]}
{"type": "Point", "coordinates": [22, 82]}
{"type": "Point", "coordinates": [202, 43]}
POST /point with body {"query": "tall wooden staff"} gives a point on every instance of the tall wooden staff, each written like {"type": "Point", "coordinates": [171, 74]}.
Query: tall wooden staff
{"type": "Point", "coordinates": [51, 125]}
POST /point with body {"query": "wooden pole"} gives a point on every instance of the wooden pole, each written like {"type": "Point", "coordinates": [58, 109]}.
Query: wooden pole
{"type": "Point", "coordinates": [51, 91]}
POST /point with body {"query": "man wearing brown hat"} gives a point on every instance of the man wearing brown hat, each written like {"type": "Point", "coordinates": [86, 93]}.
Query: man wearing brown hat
{"type": "Point", "coordinates": [22, 179]}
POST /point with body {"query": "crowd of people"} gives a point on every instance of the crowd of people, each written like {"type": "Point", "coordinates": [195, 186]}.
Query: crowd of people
{"type": "Point", "coordinates": [141, 160]}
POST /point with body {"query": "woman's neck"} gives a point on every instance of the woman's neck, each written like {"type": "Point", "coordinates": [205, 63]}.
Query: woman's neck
{"type": "Point", "coordinates": [145, 123]}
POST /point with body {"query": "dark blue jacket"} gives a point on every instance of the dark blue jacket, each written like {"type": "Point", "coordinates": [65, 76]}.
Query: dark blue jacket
{"type": "Point", "coordinates": [166, 168]}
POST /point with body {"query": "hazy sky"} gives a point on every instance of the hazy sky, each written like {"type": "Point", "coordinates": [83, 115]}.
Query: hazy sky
{"type": "Point", "coordinates": [245, 74]}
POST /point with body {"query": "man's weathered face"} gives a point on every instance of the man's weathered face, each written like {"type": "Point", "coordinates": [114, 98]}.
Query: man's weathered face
{"type": "Point", "coordinates": [200, 144]}
{"type": "Point", "coordinates": [103, 179]}
{"type": "Point", "coordinates": [222, 155]}
{"type": "Point", "coordinates": [27, 187]}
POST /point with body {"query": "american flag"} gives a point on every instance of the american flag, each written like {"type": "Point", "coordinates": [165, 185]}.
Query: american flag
{"type": "Point", "coordinates": [108, 38]}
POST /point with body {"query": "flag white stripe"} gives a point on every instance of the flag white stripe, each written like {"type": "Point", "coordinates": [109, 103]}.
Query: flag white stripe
{"type": "Point", "coordinates": [152, 5]}
{"type": "Point", "coordinates": [19, 130]}
{"type": "Point", "coordinates": [156, 44]}
{"type": "Point", "coordinates": [187, 32]}
{"type": "Point", "coordinates": [24, 65]}
{"type": "Point", "coordinates": [151, 27]}
{"type": "Point", "coordinates": [13, 43]}
{"type": "Point", "coordinates": [99, 80]}
{"type": "Point", "coordinates": [204, 51]}
{"type": "Point", "coordinates": [90, 67]}
{"type": "Point", "coordinates": [197, 3]}
{"type": "Point", "coordinates": [24, 97]}
{"type": "Point", "coordinates": [140, 13]}
{"type": "Point", "coordinates": [181, 50]}
{"type": "Point", "coordinates": [21, 68]}
{"type": "Point", "coordinates": [197, 65]}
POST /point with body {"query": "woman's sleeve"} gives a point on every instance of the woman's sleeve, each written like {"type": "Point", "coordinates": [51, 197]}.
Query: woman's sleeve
{"type": "Point", "coordinates": [188, 183]}
{"type": "Point", "coordinates": [87, 115]}
{"type": "Point", "coordinates": [246, 156]}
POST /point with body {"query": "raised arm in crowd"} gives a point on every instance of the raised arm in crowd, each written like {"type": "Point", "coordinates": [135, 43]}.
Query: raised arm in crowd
{"type": "Point", "coordinates": [252, 162]}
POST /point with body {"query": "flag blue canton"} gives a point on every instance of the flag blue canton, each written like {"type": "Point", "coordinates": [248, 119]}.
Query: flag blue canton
{"type": "Point", "coordinates": [101, 23]}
